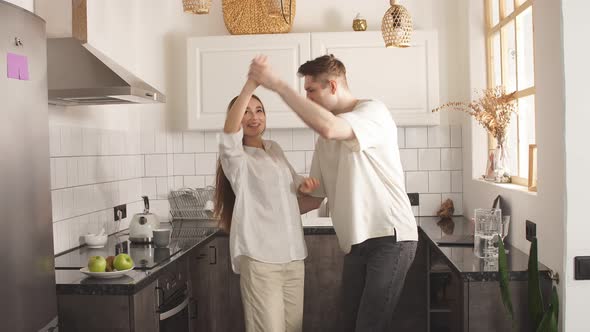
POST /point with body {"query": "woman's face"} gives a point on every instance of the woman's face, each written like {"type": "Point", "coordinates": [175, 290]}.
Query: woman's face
{"type": "Point", "coordinates": [254, 121]}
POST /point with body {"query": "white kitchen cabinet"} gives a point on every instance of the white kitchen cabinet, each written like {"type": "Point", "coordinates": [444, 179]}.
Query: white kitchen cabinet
{"type": "Point", "coordinates": [217, 70]}
{"type": "Point", "coordinates": [406, 80]}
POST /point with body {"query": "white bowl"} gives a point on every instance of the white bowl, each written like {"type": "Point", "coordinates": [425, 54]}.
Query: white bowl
{"type": "Point", "coordinates": [95, 241]}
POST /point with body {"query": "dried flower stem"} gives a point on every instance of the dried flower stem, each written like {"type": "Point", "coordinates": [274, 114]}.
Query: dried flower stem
{"type": "Point", "coordinates": [492, 110]}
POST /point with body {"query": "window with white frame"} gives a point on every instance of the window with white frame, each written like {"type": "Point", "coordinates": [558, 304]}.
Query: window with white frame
{"type": "Point", "coordinates": [510, 62]}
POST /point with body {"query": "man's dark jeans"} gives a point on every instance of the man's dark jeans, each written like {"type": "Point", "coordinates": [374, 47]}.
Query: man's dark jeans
{"type": "Point", "coordinates": [372, 281]}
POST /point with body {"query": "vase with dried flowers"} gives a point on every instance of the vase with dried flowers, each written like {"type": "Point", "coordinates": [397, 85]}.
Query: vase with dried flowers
{"type": "Point", "coordinates": [493, 110]}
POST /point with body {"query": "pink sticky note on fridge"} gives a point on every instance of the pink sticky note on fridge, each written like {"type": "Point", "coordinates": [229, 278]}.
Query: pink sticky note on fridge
{"type": "Point", "coordinates": [18, 66]}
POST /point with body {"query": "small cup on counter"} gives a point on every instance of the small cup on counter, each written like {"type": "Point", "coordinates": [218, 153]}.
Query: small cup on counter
{"type": "Point", "coordinates": [162, 237]}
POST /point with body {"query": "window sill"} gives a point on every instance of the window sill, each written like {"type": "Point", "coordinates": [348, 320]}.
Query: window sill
{"type": "Point", "coordinates": [509, 186]}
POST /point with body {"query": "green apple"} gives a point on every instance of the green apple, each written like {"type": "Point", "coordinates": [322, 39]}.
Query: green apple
{"type": "Point", "coordinates": [123, 262]}
{"type": "Point", "coordinates": [97, 264]}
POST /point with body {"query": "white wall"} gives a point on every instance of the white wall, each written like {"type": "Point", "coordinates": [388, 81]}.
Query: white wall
{"type": "Point", "coordinates": [26, 4]}
{"type": "Point", "coordinates": [577, 71]}
{"type": "Point", "coordinates": [547, 207]}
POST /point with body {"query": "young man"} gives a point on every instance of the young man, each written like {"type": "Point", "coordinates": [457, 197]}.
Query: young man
{"type": "Point", "coordinates": [358, 165]}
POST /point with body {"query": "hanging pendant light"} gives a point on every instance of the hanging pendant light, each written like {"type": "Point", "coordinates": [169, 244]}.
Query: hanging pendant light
{"type": "Point", "coordinates": [397, 26]}
{"type": "Point", "coordinates": [196, 6]}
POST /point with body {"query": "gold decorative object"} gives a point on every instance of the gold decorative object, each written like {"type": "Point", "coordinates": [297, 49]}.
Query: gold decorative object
{"type": "Point", "coordinates": [196, 6]}
{"type": "Point", "coordinates": [397, 26]}
{"type": "Point", "coordinates": [359, 23]}
{"type": "Point", "coordinates": [243, 17]}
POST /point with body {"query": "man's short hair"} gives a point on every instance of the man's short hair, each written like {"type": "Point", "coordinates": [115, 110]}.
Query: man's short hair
{"type": "Point", "coordinates": [326, 65]}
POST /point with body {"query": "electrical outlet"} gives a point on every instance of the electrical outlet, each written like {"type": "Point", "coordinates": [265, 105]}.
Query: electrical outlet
{"type": "Point", "coordinates": [122, 208]}
{"type": "Point", "coordinates": [414, 199]}
{"type": "Point", "coordinates": [530, 230]}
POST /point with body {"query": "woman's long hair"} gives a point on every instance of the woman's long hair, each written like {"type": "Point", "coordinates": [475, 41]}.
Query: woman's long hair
{"type": "Point", "coordinates": [225, 198]}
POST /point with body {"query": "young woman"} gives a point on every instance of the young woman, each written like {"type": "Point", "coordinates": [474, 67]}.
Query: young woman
{"type": "Point", "coordinates": [257, 203]}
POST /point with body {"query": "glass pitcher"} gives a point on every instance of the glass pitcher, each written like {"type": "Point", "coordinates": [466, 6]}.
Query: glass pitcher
{"type": "Point", "coordinates": [488, 230]}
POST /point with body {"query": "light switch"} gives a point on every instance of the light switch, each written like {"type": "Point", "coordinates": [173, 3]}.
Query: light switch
{"type": "Point", "coordinates": [582, 268]}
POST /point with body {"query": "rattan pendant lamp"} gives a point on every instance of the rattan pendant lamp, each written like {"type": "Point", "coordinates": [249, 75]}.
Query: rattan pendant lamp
{"type": "Point", "coordinates": [397, 26]}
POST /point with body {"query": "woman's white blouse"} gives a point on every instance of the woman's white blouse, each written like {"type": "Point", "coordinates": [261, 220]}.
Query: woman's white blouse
{"type": "Point", "coordinates": [266, 223]}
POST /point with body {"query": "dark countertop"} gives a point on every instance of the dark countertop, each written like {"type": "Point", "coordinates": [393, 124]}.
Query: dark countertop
{"type": "Point", "coordinates": [454, 253]}
{"type": "Point", "coordinates": [149, 262]}
{"type": "Point", "coordinates": [449, 239]}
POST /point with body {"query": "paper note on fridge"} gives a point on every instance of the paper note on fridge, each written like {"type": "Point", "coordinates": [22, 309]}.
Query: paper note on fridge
{"type": "Point", "coordinates": [18, 66]}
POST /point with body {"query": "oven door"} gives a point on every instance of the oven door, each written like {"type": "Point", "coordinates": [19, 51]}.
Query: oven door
{"type": "Point", "coordinates": [174, 312]}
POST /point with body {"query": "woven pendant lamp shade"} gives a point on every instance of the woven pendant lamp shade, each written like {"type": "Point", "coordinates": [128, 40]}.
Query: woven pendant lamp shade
{"type": "Point", "coordinates": [253, 17]}
{"type": "Point", "coordinates": [274, 7]}
{"type": "Point", "coordinates": [397, 26]}
{"type": "Point", "coordinates": [196, 6]}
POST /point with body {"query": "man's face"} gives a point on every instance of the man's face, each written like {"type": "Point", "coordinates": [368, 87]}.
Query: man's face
{"type": "Point", "coordinates": [321, 92]}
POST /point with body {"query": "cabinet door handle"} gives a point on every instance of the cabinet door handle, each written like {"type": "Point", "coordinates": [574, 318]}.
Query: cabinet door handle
{"type": "Point", "coordinates": [212, 255]}
{"type": "Point", "coordinates": [195, 308]}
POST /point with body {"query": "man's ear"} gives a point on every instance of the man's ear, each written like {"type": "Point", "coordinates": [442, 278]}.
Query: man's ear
{"type": "Point", "coordinates": [333, 86]}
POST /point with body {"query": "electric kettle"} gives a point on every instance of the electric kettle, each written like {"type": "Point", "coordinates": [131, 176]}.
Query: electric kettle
{"type": "Point", "coordinates": [142, 224]}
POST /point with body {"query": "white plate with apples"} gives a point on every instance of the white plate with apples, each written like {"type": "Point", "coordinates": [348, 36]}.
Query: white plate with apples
{"type": "Point", "coordinates": [106, 275]}
{"type": "Point", "coordinates": [97, 266]}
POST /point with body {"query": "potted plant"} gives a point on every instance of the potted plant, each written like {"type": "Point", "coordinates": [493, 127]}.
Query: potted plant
{"type": "Point", "coordinates": [493, 110]}
{"type": "Point", "coordinates": [542, 319]}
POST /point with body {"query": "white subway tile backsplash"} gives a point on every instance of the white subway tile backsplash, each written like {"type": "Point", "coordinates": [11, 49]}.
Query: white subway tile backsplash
{"type": "Point", "coordinates": [297, 160]}
{"type": "Point", "coordinates": [178, 182]}
{"type": "Point", "coordinates": [161, 141]}
{"type": "Point", "coordinates": [417, 182]}
{"type": "Point", "coordinates": [429, 159]}
{"type": "Point", "coordinates": [457, 202]}
{"type": "Point", "coordinates": [303, 139]}
{"type": "Point", "coordinates": [416, 138]}
{"type": "Point", "coordinates": [193, 141]}
{"type": "Point", "coordinates": [456, 181]}
{"type": "Point", "coordinates": [439, 137]}
{"type": "Point", "coordinates": [54, 141]}
{"type": "Point", "coordinates": [401, 137]}
{"type": "Point", "coordinates": [148, 187]}
{"type": "Point", "coordinates": [284, 137]}
{"type": "Point", "coordinates": [67, 198]}
{"type": "Point", "coordinates": [211, 144]}
{"type": "Point", "coordinates": [170, 164]}
{"type": "Point", "coordinates": [206, 163]}
{"type": "Point", "coordinates": [61, 172]}
{"type": "Point", "coordinates": [409, 158]}
{"type": "Point", "coordinates": [148, 142]}
{"type": "Point", "coordinates": [56, 205]}
{"type": "Point", "coordinates": [90, 141]}
{"type": "Point", "coordinates": [429, 204]}
{"type": "Point", "coordinates": [155, 165]}
{"type": "Point", "coordinates": [197, 181]}
{"type": "Point", "coordinates": [72, 170]}
{"type": "Point", "coordinates": [162, 188]}
{"type": "Point", "coordinates": [451, 159]}
{"type": "Point", "coordinates": [105, 142]}
{"type": "Point", "coordinates": [177, 143]}
{"type": "Point", "coordinates": [184, 164]}
{"type": "Point", "coordinates": [439, 182]}
{"type": "Point", "coordinates": [456, 139]}
{"type": "Point", "coordinates": [210, 180]}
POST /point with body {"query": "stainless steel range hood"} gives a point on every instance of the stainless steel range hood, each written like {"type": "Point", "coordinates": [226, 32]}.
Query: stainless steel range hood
{"type": "Point", "coordinates": [79, 74]}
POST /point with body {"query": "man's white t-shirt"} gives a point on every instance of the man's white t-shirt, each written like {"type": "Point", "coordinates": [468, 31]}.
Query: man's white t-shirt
{"type": "Point", "coordinates": [363, 179]}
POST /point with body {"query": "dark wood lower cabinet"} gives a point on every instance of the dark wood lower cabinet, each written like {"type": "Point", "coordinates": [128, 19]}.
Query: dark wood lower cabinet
{"type": "Point", "coordinates": [216, 289]}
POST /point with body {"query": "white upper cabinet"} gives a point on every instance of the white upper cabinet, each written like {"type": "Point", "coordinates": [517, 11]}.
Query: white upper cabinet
{"type": "Point", "coordinates": [405, 79]}
{"type": "Point", "coordinates": [217, 70]}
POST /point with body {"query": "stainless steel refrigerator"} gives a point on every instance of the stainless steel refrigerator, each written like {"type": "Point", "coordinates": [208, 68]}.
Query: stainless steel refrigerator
{"type": "Point", "coordinates": [27, 278]}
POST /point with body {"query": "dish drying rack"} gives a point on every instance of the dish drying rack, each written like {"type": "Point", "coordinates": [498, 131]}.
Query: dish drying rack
{"type": "Point", "coordinates": [192, 203]}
